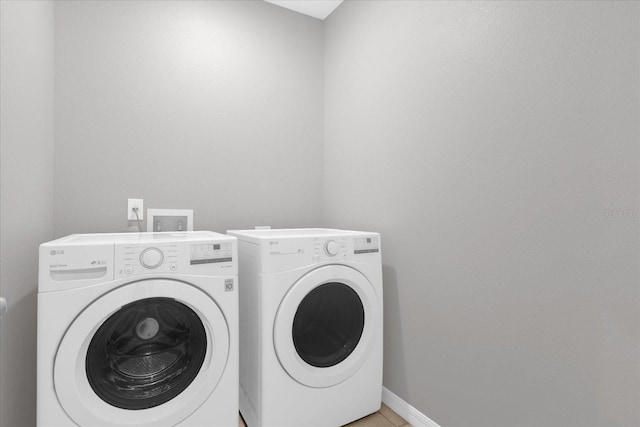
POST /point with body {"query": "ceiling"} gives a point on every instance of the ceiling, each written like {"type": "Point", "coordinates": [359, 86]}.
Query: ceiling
{"type": "Point", "coordinates": [317, 8]}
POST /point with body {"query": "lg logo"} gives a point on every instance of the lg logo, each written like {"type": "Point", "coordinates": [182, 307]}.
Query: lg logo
{"type": "Point", "coordinates": [57, 252]}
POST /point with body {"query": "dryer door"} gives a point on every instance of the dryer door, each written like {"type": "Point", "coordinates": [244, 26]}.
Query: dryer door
{"type": "Point", "coordinates": [325, 325]}
{"type": "Point", "coordinates": [145, 354]}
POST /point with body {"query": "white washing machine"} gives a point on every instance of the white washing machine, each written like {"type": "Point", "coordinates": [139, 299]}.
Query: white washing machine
{"type": "Point", "coordinates": [138, 329]}
{"type": "Point", "coordinates": [310, 326]}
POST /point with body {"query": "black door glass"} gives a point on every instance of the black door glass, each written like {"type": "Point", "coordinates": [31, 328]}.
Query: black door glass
{"type": "Point", "coordinates": [328, 324]}
{"type": "Point", "coordinates": [146, 353]}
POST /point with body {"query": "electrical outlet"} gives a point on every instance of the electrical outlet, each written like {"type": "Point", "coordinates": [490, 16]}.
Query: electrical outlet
{"type": "Point", "coordinates": [135, 203]}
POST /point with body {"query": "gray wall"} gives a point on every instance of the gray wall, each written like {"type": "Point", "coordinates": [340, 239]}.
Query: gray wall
{"type": "Point", "coordinates": [26, 193]}
{"type": "Point", "coordinates": [212, 106]}
{"type": "Point", "coordinates": [495, 147]}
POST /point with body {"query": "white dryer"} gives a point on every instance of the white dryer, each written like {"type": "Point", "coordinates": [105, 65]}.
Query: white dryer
{"type": "Point", "coordinates": [310, 326]}
{"type": "Point", "coordinates": [138, 329]}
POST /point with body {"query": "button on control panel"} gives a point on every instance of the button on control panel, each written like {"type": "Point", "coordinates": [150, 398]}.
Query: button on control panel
{"type": "Point", "coordinates": [326, 249]}
{"type": "Point", "coordinates": [151, 258]}
{"type": "Point", "coordinates": [331, 248]}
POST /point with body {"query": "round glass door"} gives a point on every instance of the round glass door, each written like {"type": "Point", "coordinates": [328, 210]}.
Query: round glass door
{"type": "Point", "coordinates": [328, 324]}
{"type": "Point", "coordinates": [324, 326]}
{"type": "Point", "coordinates": [146, 353]}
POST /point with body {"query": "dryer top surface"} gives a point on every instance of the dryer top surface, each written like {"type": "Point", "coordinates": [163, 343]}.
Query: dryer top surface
{"type": "Point", "coordinates": [260, 234]}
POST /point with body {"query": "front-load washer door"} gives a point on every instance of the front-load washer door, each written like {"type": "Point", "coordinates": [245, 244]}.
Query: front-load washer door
{"type": "Point", "coordinates": [148, 353]}
{"type": "Point", "coordinates": [326, 325]}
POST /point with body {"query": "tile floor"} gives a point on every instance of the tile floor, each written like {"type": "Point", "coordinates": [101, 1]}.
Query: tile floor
{"type": "Point", "coordinates": [385, 417]}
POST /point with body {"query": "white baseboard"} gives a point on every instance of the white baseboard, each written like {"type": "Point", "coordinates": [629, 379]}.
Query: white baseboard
{"type": "Point", "coordinates": [406, 411]}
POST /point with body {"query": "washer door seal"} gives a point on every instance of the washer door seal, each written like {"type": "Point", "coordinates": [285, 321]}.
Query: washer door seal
{"type": "Point", "coordinates": [324, 327]}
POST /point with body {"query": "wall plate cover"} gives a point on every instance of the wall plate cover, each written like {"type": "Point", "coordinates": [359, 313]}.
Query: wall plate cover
{"type": "Point", "coordinates": [135, 203]}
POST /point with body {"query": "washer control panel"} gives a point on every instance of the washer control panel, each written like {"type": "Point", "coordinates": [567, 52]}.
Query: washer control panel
{"type": "Point", "coordinates": [159, 257]}
{"type": "Point", "coordinates": [132, 259]}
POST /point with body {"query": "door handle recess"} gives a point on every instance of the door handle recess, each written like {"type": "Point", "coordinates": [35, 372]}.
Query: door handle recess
{"type": "Point", "coordinates": [3, 306]}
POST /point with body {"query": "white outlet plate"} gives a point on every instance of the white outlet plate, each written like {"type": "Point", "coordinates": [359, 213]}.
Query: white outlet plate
{"type": "Point", "coordinates": [135, 203]}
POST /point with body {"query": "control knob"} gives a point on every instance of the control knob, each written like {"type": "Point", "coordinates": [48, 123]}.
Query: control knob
{"type": "Point", "coordinates": [151, 258]}
{"type": "Point", "coordinates": [331, 248]}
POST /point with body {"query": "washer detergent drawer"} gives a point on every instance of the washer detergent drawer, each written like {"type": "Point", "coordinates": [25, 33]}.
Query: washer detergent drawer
{"type": "Point", "coordinates": [78, 274]}
{"type": "Point", "coordinates": [70, 267]}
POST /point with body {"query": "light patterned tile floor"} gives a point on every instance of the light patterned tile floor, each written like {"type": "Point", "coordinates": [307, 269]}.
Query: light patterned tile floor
{"type": "Point", "coordinates": [385, 417]}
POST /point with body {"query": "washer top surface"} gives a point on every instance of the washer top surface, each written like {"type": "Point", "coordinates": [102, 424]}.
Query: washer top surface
{"type": "Point", "coordinates": [101, 238]}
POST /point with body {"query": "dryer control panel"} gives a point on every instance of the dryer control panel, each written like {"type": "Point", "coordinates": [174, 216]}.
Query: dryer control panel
{"type": "Point", "coordinates": [366, 245]}
{"type": "Point", "coordinates": [286, 249]}
{"type": "Point", "coordinates": [332, 248]}
{"type": "Point", "coordinates": [208, 253]}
